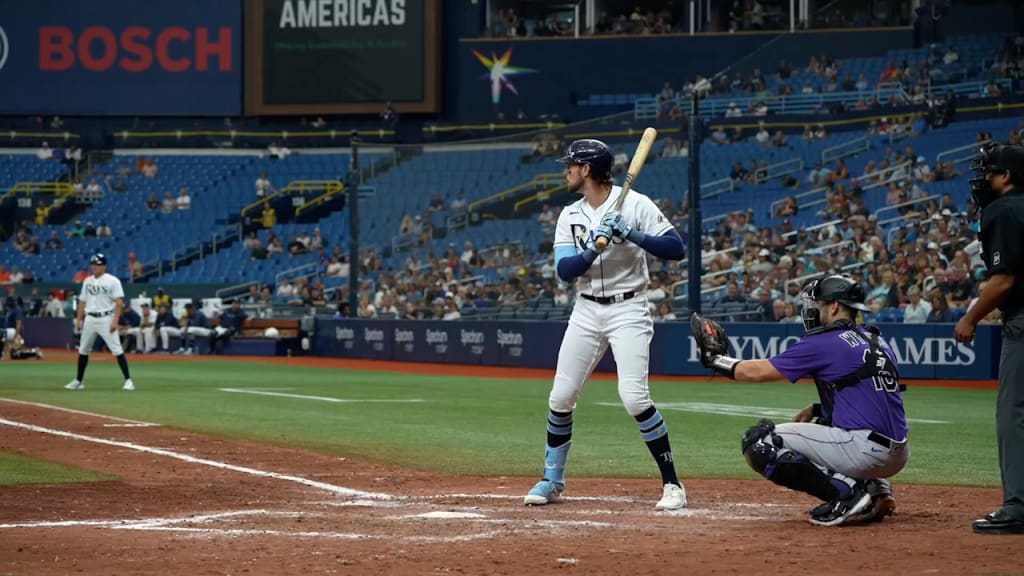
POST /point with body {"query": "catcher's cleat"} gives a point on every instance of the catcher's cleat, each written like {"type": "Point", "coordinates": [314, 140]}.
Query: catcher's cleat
{"type": "Point", "coordinates": [881, 506]}
{"type": "Point", "coordinates": [837, 512]}
{"type": "Point", "coordinates": [544, 492]}
{"type": "Point", "coordinates": [673, 497]}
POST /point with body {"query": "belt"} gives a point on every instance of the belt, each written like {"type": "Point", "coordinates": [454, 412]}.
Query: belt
{"type": "Point", "coordinates": [609, 299]}
{"type": "Point", "coordinates": [99, 314]}
{"type": "Point", "coordinates": [885, 441]}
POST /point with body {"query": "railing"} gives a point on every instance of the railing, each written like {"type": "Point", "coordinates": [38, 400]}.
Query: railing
{"type": "Point", "coordinates": [295, 187]}
{"type": "Point", "coordinates": [778, 169]}
{"type": "Point", "coordinates": [717, 187]}
{"type": "Point", "coordinates": [540, 180]}
{"type": "Point", "coordinates": [403, 242]}
{"type": "Point", "coordinates": [856, 146]}
{"type": "Point", "coordinates": [517, 245]}
{"type": "Point", "coordinates": [332, 190]}
{"type": "Point", "coordinates": [538, 197]}
{"type": "Point", "coordinates": [234, 290]}
{"type": "Point", "coordinates": [159, 266]}
{"type": "Point", "coordinates": [813, 228]}
{"type": "Point", "coordinates": [878, 213]}
{"type": "Point", "coordinates": [58, 189]}
{"type": "Point", "coordinates": [456, 221]}
{"type": "Point", "coordinates": [303, 271]}
{"type": "Point", "coordinates": [774, 205]}
{"type": "Point", "coordinates": [325, 136]}
{"type": "Point", "coordinates": [959, 150]}
{"type": "Point", "coordinates": [889, 175]}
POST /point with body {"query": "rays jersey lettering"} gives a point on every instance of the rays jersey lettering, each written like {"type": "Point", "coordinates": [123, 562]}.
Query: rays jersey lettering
{"type": "Point", "coordinates": [100, 294]}
{"type": "Point", "coordinates": [622, 267]}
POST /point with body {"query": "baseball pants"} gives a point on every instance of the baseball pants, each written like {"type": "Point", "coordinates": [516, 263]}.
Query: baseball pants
{"type": "Point", "coordinates": [11, 333]}
{"type": "Point", "coordinates": [165, 335]}
{"type": "Point", "coordinates": [1010, 416]}
{"type": "Point", "coordinates": [145, 338]}
{"type": "Point", "coordinates": [625, 326]}
{"type": "Point", "coordinates": [94, 327]}
{"type": "Point", "coordinates": [848, 452]}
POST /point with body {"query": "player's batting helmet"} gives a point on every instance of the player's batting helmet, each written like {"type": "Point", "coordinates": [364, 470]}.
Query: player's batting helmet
{"type": "Point", "coordinates": [836, 288]}
{"type": "Point", "coordinates": [593, 153]}
{"type": "Point", "coordinates": [995, 158]}
{"type": "Point", "coordinates": [98, 258]}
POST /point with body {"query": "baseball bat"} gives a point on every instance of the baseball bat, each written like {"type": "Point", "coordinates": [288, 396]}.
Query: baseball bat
{"type": "Point", "coordinates": [635, 166]}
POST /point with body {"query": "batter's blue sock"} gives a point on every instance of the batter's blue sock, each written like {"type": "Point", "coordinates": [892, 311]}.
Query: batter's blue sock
{"type": "Point", "coordinates": [83, 361]}
{"type": "Point", "coordinates": [556, 453]}
{"type": "Point", "coordinates": [559, 428]}
{"type": "Point", "coordinates": [655, 434]}
{"type": "Point", "coordinates": [123, 363]}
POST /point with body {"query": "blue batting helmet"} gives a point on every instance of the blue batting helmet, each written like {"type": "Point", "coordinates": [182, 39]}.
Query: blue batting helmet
{"type": "Point", "coordinates": [593, 153]}
{"type": "Point", "coordinates": [98, 258]}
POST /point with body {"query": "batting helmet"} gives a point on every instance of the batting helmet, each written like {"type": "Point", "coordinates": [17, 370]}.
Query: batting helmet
{"type": "Point", "coordinates": [836, 288]}
{"type": "Point", "coordinates": [98, 258]}
{"type": "Point", "coordinates": [995, 158]}
{"type": "Point", "coordinates": [593, 153]}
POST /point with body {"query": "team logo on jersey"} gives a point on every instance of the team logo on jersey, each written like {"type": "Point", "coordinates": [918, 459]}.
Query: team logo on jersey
{"type": "Point", "coordinates": [96, 289]}
{"type": "Point", "coordinates": [580, 236]}
{"type": "Point", "coordinates": [5, 48]}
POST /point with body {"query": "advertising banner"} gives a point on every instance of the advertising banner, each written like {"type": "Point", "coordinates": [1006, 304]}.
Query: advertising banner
{"type": "Point", "coordinates": [117, 57]}
{"type": "Point", "coordinates": [343, 56]}
{"type": "Point", "coordinates": [922, 351]}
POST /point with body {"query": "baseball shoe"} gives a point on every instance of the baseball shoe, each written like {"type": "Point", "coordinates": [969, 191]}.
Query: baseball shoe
{"type": "Point", "coordinates": [39, 354]}
{"type": "Point", "coordinates": [75, 384]}
{"type": "Point", "coordinates": [128, 385]}
{"type": "Point", "coordinates": [837, 512]}
{"type": "Point", "coordinates": [881, 506]}
{"type": "Point", "coordinates": [544, 492]}
{"type": "Point", "coordinates": [673, 497]}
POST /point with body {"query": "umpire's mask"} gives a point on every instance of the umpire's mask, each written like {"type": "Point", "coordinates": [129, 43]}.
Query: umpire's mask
{"type": "Point", "coordinates": [809, 306]}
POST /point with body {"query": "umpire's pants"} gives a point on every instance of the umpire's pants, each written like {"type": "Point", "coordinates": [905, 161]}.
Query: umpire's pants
{"type": "Point", "coordinates": [1010, 416]}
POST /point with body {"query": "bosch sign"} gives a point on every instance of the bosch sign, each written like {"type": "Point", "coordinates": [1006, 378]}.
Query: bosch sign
{"type": "Point", "coordinates": [122, 57]}
{"type": "Point", "coordinates": [135, 49]}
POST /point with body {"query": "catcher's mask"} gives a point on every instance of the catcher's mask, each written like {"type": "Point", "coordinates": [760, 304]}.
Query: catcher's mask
{"type": "Point", "coordinates": [995, 158]}
{"type": "Point", "coordinates": [836, 288]}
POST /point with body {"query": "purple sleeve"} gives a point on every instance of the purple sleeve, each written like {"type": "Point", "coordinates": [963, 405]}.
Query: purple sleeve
{"type": "Point", "coordinates": [800, 360]}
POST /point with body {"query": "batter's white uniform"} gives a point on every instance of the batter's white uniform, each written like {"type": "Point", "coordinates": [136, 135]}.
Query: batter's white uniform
{"type": "Point", "coordinates": [100, 296]}
{"type": "Point", "coordinates": [618, 278]}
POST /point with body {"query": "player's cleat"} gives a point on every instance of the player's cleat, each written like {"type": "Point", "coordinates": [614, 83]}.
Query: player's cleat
{"type": "Point", "coordinates": [544, 492]}
{"type": "Point", "coordinates": [75, 385]}
{"type": "Point", "coordinates": [128, 385]}
{"type": "Point", "coordinates": [673, 497]}
{"type": "Point", "coordinates": [837, 512]}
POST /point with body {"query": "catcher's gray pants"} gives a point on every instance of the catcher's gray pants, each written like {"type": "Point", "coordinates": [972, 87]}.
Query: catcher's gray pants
{"type": "Point", "coordinates": [1010, 416]}
{"type": "Point", "coordinates": [848, 452]}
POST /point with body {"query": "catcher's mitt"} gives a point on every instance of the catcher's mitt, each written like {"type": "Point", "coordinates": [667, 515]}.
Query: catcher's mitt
{"type": "Point", "coordinates": [710, 338]}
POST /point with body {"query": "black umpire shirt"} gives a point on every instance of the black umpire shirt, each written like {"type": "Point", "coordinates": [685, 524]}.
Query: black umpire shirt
{"type": "Point", "coordinates": [1002, 245]}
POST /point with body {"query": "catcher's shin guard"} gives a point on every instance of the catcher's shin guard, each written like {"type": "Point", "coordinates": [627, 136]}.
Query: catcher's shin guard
{"type": "Point", "coordinates": [765, 454]}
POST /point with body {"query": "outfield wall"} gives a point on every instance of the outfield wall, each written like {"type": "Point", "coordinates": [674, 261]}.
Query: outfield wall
{"type": "Point", "coordinates": [923, 350]}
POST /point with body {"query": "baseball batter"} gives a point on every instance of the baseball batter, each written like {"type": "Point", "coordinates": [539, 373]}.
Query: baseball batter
{"type": "Point", "coordinates": [843, 448]}
{"type": "Point", "coordinates": [99, 309]}
{"type": "Point", "coordinates": [610, 311]}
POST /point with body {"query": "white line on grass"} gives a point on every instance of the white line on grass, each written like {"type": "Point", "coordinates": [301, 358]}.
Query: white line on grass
{"type": "Point", "coordinates": [136, 423]}
{"type": "Point", "coordinates": [264, 392]}
{"type": "Point", "coordinates": [341, 490]}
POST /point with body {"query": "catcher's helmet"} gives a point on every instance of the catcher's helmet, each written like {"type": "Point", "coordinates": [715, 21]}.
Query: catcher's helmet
{"type": "Point", "coordinates": [98, 258]}
{"type": "Point", "coordinates": [836, 288]}
{"type": "Point", "coordinates": [995, 158]}
{"type": "Point", "coordinates": [593, 153]}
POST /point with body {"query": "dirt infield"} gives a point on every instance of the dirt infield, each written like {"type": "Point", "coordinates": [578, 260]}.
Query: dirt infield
{"type": "Point", "coordinates": [193, 504]}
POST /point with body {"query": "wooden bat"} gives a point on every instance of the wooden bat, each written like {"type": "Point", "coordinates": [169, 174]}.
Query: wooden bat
{"type": "Point", "coordinates": [635, 166]}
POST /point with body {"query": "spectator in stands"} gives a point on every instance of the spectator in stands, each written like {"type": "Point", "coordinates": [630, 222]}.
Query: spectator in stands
{"type": "Point", "coordinates": [44, 152]}
{"type": "Point", "coordinates": [184, 201]}
{"type": "Point", "coordinates": [951, 56]}
{"type": "Point", "coordinates": [104, 231]}
{"type": "Point", "coordinates": [263, 186]}
{"type": "Point", "coordinates": [274, 247]}
{"type": "Point", "coordinates": [278, 151]}
{"type": "Point", "coordinates": [54, 307]}
{"type": "Point", "coordinates": [733, 111]}
{"type": "Point", "coordinates": [147, 167]}
{"type": "Point", "coordinates": [337, 269]}
{"type": "Point", "coordinates": [620, 161]}
{"type": "Point", "coordinates": [169, 204]}
{"type": "Point", "coordinates": [54, 242]}
{"type": "Point", "coordinates": [940, 309]}
{"type": "Point", "coordinates": [268, 217]}
{"type": "Point", "coordinates": [778, 140]}
{"type": "Point", "coordinates": [762, 136]}
{"type": "Point", "coordinates": [918, 310]}
{"type": "Point", "coordinates": [719, 136]}
{"type": "Point", "coordinates": [995, 316]}
{"type": "Point", "coordinates": [459, 202]}
{"type": "Point", "coordinates": [436, 203]}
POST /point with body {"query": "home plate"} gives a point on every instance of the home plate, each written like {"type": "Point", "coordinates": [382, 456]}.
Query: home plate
{"type": "Point", "coordinates": [444, 515]}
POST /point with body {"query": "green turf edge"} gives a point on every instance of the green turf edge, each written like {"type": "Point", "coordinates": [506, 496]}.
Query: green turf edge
{"type": "Point", "coordinates": [18, 469]}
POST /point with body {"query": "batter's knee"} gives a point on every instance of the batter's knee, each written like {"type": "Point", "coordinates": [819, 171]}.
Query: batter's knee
{"type": "Point", "coordinates": [564, 394]}
{"type": "Point", "coordinates": [635, 397]}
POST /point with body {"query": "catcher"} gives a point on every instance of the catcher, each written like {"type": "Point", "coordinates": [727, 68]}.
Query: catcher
{"type": "Point", "coordinates": [11, 340]}
{"type": "Point", "coordinates": [842, 449]}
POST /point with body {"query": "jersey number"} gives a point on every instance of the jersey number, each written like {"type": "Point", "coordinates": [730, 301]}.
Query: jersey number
{"type": "Point", "coordinates": [884, 379]}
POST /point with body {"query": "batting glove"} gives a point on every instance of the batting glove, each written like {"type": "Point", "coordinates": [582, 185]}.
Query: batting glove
{"type": "Point", "coordinates": [620, 227]}
{"type": "Point", "coordinates": [602, 230]}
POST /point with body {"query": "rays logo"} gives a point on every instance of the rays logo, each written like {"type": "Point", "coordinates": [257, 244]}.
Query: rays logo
{"type": "Point", "coordinates": [582, 237]}
{"type": "Point", "coordinates": [4, 48]}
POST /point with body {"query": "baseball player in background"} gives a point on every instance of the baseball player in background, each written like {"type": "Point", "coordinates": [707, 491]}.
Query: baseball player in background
{"type": "Point", "coordinates": [11, 340]}
{"type": "Point", "coordinates": [100, 303]}
{"type": "Point", "coordinates": [610, 311]}
{"type": "Point", "coordinates": [145, 332]}
{"type": "Point", "coordinates": [843, 448]}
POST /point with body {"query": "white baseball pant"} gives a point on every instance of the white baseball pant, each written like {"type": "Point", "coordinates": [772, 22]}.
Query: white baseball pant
{"type": "Point", "coordinates": [11, 333]}
{"type": "Point", "coordinates": [145, 338]}
{"type": "Point", "coordinates": [99, 326]}
{"type": "Point", "coordinates": [165, 335]}
{"type": "Point", "coordinates": [628, 328]}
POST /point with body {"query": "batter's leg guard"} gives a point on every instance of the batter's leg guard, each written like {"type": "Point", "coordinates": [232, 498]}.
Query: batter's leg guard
{"type": "Point", "coordinates": [765, 454]}
{"type": "Point", "coordinates": [550, 488]}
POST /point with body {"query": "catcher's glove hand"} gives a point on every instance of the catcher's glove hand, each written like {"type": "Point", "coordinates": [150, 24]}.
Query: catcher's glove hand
{"type": "Point", "coordinates": [710, 338]}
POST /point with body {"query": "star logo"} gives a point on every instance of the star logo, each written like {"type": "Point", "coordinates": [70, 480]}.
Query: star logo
{"type": "Point", "coordinates": [499, 72]}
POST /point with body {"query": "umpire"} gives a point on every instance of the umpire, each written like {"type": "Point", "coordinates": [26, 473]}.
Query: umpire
{"type": "Point", "coordinates": [998, 190]}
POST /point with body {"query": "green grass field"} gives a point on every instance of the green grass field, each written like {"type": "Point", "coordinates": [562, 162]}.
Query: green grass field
{"type": "Point", "coordinates": [490, 426]}
{"type": "Point", "coordinates": [20, 469]}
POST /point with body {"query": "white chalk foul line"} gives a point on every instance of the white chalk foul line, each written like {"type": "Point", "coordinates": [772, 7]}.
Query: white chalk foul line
{"type": "Point", "coordinates": [127, 423]}
{"type": "Point", "coordinates": [265, 392]}
{"type": "Point", "coordinates": [340, 490]}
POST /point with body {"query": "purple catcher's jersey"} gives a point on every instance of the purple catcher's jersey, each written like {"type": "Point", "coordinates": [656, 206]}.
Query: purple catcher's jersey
{"type": "Point", "coordinates": [874, 403]}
